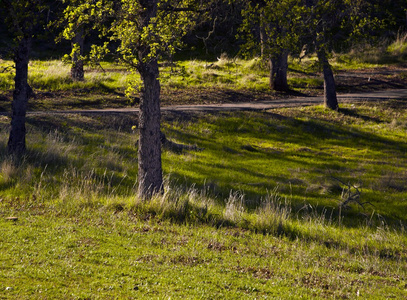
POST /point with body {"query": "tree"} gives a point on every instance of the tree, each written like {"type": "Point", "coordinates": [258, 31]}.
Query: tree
{"type": "Point", "coordinates": [325, 22]}
{"type": "Point", "coordinates": [217, 31]}
{"type": "Point", "coordinates": [24, 20]}
{"type": "Point", "coordinates": [78, 42]}
{"type": "Point", "coordinates": [74, 31]}
{"type": "Point", "coordinates": [139, 51]}
{"type": "Point", "coordinates": [144, 29]}
{"type": "Point", "coordinates": [78, 20]}
{"type": "Point", "coordinates": [393, 13]}
{"type": "Point", "coordinates": [334, 25]}
{"type": "Point", "coordinates": [271, 28]}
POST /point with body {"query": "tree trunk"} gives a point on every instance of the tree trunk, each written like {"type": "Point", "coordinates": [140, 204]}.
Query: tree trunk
{"type": "Point", "coordinates": [263, 36]}
{"type": "Point", "coordinates": [16, 143]}
{"type": "Point", "coordinates": [330, 100]}
{"type": "Point", "coordinates": [278, 72]}
{"type": "Point", "coordinates": [77, 73]}
{"type": "Point", "coordinates": [149, 150]}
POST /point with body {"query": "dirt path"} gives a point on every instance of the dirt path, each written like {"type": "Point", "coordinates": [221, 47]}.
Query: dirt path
{"type": "Point", "coordinates": [399, 94]}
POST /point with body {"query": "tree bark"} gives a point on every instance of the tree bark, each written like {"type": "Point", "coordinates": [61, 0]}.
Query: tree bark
{"type": "Point", "coordinates": [263, 36]}
{"type": "Point", "coordinates": [149, 150]}
{"type": "Point", "coordinates": [330, 99]}
{"type": "Point", "coordinates": [77, 73]}
{"type": "Point", "coordinates": [278, 72]}
{"type": "Point", "coordinates": [16, 143]}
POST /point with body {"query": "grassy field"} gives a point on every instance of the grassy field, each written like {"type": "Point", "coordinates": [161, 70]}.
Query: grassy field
{"type": "Point", "coordinates": [253, 214]}
{"type": "Point", "coordinates": [298, 203]}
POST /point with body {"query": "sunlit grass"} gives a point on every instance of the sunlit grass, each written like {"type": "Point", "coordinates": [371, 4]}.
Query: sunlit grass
{"type": "Point", "coordinates": [224, 73]}
{"type": "Point", "coordinates": [54, 76]}
{"type": "Point", "coordinates": [398, 49]}
{"type": "Point", "coordinates": [99, 253]}
{"type": "Point", "coordinates": [368, 56]}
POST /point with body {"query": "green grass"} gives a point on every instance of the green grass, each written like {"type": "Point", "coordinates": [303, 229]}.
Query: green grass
{"type": "Point", "coordinates": [398, 49]}
{"type": "Point", "coordinates": [101, 254]}
{"type": "Point", "coordinates": [223, 73]}
{"type": "Point", "coordinates": [253, 215]}
{"type": "Point", "coordinates": [299, 150]}
{"type": "Point", "coordinates": [367, 56]}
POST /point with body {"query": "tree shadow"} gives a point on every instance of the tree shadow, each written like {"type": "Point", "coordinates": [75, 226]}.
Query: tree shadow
{"type": "Point", "coordinates": [350, 83]}
{"type": "Point", "coordinates": [352, 113]}
{"type": "Point", "coordinates": [308, 135]}
{"type": "Point", "coordinates": [83, 132]}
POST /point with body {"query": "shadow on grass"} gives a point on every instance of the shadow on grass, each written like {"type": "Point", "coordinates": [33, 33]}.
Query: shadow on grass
{"type": "Point", "coordinates": [310, 145]}
{"type": "Point", "coordinates": [358, 83]}
{"type": "Point", "coordinates": [352, 113]}
{"type": "Point", "coordinates": [296, 153]}
{"type": "Point", "coordinates": [86, 146]}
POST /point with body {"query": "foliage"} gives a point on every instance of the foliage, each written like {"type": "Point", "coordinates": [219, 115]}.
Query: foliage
{"type": "Point", "coordinates": [120, 21]}
{"type": "Point", "coordinates": [337, 25]}
{"type": "Point", "coordinates": [23, 17]}
{"type": "Point", "coordinates": [280, 22]}
{"type": "Point", "coordinates": [79, 19]}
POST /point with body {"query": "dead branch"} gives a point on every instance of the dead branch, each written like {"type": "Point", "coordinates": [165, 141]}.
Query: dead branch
{"type": "Point", "coordinates": [6, 69]}
{"type": "Point", "coordinates": [350, 194]}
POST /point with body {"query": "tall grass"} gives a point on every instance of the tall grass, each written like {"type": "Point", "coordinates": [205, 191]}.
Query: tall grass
{"type": "Point", "coordinates": [52, 76]}
{"type": "Point", "coordinates": [225, 72]}
{"type": "Point", "coordinates": [398, 49]}
{"type": "Point", "coordinates": [365, 56]}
